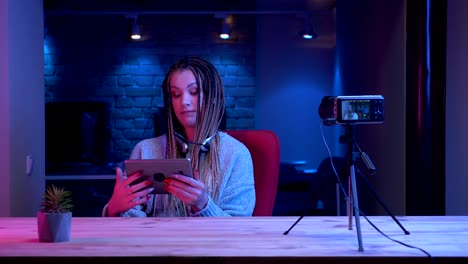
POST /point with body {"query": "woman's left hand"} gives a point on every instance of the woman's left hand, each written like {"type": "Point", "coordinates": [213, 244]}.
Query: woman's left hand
{"type": "Point", "coordinates": [190, 190]}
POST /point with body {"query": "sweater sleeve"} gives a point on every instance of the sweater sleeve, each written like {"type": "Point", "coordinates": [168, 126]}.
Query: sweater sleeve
{"type": "Point", "coordinates": [238, 196]}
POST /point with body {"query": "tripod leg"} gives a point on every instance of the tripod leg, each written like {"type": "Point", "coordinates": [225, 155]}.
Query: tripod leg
{"type": "Point", "coordinates": [379, 199]}
{"type": "Point", "coordinates": [356, 208]}
{"type": "Point", "coordinates": [338, 203]}
{"type": "Point", "coordinates": [304, 213]}
{"type": "Point", "coordinates": [350, 204]}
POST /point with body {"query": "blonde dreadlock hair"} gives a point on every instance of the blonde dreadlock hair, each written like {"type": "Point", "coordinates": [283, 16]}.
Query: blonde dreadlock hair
{"type": "Point", "coordinates": [209, 115]}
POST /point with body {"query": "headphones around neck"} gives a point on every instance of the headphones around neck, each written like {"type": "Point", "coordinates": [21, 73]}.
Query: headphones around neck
{"type": "Point", "coordinates": [204, 146]}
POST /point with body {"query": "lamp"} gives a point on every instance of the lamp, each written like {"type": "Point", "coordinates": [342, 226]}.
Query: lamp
{"type": "Point", "coordinates": [308, 32]}
{"type": "Point", "coordinates": [225, 29]}
{"type": "Point", "coordinates": [136, 33]}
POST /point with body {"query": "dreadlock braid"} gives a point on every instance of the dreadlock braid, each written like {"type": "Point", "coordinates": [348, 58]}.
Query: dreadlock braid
{"type": "Point", "coordinates": [209, 115]}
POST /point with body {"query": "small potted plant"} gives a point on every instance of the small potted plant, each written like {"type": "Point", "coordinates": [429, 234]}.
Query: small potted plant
{"type": "Point", "coordinates": [55, 216]}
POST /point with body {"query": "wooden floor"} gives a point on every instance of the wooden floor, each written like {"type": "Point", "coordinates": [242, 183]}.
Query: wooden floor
{"type": "Point", "coordinates": [240, 240]}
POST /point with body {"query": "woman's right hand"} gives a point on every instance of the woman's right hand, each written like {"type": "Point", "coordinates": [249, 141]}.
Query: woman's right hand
{"type": "Point", "coordinates": [126, 196]}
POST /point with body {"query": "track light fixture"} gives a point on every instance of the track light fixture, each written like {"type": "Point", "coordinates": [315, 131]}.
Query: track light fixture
{"type": "Point", "coordinates": [225, 32]}
{"type": "Point", "coordinates": [308, 32]}
{"type": "Point", "coordinates": [227, 19]}
{"type": "Point", "coordinates": [136, 33]}
{"type": "Point", "coordinates": [225, 27]}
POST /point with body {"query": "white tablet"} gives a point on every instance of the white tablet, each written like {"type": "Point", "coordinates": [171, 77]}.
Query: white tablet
{"type": "Point", "coordinates": [156, 170]}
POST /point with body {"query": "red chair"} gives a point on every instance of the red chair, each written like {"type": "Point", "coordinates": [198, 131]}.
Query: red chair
{"type": "Point", "coordinates": [265, 150]}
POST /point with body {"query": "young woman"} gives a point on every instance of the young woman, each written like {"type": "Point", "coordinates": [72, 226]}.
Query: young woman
{"type": "Point", "coordinates": [223, 183]}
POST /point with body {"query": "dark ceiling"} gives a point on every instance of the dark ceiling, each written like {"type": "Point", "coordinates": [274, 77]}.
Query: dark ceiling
{"type": "Point", "coordinates": [186, 5]}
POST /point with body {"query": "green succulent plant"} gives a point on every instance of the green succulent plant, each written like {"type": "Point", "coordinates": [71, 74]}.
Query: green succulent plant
{"type": "Point", "coordinates": [56, 200]}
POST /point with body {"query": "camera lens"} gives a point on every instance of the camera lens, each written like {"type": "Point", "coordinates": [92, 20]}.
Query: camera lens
{"type": "Point", "coordinates": [159, 177]}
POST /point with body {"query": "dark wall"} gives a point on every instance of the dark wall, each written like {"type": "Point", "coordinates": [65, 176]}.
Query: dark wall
{"type": "Point", "coordinates": [91, 58]}
{"type": "Point", "coordinates": [371, 60]}
{"type": "Point", "coordinates": [293, 75]}
{"type": "Point", "coordinates": [456, 109]}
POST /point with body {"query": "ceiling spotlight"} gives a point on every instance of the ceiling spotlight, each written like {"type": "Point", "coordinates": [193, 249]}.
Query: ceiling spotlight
{"type": "Point", "coordinates": [308, 32]}
{"type": "Point", "coordinates": [136, 33]}
{"type": "Point", "coordinates": [225, 31]}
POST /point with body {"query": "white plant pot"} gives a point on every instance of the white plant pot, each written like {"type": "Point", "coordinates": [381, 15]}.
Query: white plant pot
{"type": "Point", "coordinates": [54, 227]}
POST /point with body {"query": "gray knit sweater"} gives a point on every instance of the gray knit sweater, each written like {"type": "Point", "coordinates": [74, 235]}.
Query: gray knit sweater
{"type": "Point", "coordinates": [237, 192]}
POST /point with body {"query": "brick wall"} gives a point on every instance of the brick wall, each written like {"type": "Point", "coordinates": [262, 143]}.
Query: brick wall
{"type": "Point", "coordinates": [91, 58]}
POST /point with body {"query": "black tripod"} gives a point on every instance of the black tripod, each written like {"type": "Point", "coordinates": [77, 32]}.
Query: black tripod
{"type": "Point", "coordinates": [351, 157]}
{"type": "Point", "coordinates": [352, 201]}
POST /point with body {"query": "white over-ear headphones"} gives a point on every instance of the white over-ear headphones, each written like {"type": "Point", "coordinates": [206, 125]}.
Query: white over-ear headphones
{"type": "Point", "coordinates": [204, 146]}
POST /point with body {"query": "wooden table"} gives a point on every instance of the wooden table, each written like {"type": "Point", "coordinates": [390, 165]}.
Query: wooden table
{"type": "Point", "coordinates": [239, 240]}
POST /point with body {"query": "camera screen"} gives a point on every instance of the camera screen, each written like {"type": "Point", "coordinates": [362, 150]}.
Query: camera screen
{"type": "Point", "coordinates": [356, 109]}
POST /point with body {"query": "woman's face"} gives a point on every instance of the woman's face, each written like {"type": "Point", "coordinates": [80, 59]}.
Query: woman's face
{"type": "Point", "coordinates": [184, 96]}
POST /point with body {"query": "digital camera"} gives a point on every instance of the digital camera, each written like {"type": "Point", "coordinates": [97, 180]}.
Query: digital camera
{"type": "Point", "coordinates": [352, 109]}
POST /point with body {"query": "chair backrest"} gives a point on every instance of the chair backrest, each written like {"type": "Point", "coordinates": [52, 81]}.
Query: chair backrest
{"type": "Point", "coordinates": [265, 150]}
